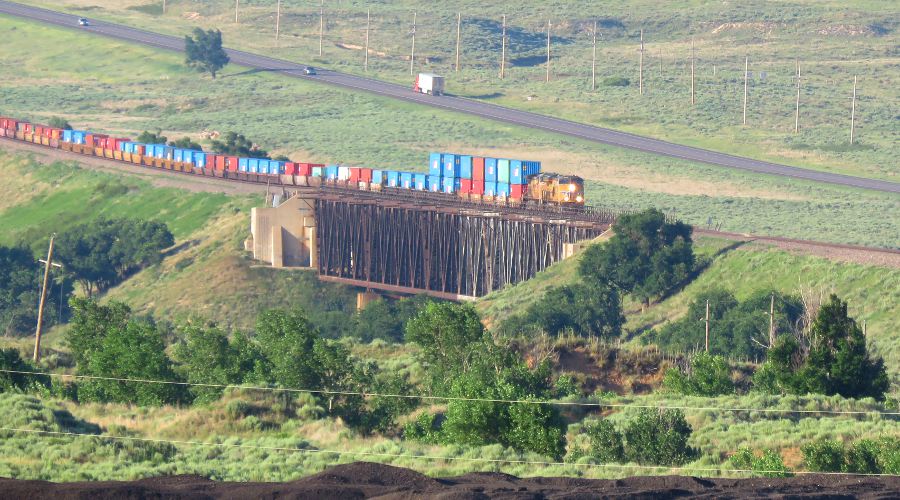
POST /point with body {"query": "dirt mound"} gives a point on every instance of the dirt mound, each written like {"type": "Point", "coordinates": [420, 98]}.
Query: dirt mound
{"type": "Point", "coordinates": [368, 480]}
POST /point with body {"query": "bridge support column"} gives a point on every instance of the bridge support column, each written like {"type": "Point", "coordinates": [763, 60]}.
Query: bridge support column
{"type": "Point", "coordinates": [363, 299]}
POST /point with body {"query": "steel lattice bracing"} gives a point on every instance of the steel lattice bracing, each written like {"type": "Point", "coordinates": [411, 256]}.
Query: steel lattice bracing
{"type": "Point", "coordinates": [444, 251]}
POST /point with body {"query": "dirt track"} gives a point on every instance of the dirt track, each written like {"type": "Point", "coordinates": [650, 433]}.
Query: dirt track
{"type": "Point", "coordinates": [368, 480]}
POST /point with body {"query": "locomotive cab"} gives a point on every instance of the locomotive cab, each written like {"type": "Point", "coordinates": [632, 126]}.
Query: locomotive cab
{"type": "Point", "coordinates": [556, 189]}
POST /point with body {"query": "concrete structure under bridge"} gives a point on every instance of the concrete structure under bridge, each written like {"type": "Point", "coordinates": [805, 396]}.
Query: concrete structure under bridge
{"type": "Point", "coordinates": [415, 243]}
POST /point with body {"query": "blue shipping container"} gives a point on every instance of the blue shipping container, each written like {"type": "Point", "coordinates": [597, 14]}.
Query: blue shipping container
{"type": "Point", "coordinates": [67, 135]}
{"type": "Point", "coordinates": [78, 137]}
{"type": "Point", "coordinates": [434, 183]}
{"type": "Point", "coordinates": [531, 168]}
{"type": "Point", "coordinates": [450, 185]}
{"type": "Point", "coordinates": [490, 170]}
{"type": "Point", "coordinates": [451, 165]}
{"type": "Point", "coordinates": [516, 173]}
{"type": "Point", "coordinates": [420, 181]}
{"type": "Point", "coordinates": [406, 180]}
{"type": "Point", "coordinates": [490, 189]}
{"type": "Point", "coordinates": [378, 177]}
{"type": "Point", "coordinates": [503, 189]}
{"type": "Point", "coordinates": [393, 178]}
{"type": "Point", "coordinates": [244, 164]}
{"type": "Point", "coordinates": [200, 159]}
{"type": "Point", "coordinates": [168, 152]}
{"type": "Point", "coordinates": [317, 171]}
{"type": "Point", "coordinates": [277, 167]}
{"type": "Point", "coordinates": [434, 164]}
{"type": "Point", "coordinates": [465, 167]}
{"type": "Point", "coordinates": [264, 166]}
{"type": "Point", "coordinates": [331, 172]}
{"type": "Point", "coordinates": [253, 165]}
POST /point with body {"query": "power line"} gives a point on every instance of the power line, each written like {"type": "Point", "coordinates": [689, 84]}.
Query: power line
{"type": "Point", "coordinates": [433, 457]}
{"type": "Point", "coordinates": [453, 398]}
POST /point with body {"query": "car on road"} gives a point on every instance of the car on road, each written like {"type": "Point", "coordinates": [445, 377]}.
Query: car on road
{"type": "Point", "coordinates": [309, 70]}
{"type": "Point", "coordinates": [83, 22]}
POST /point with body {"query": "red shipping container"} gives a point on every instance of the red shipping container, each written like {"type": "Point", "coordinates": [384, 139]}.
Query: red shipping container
{"type": "Point", "coordinates": [516, 191]}
{"type": "Point", "coordinates": [220, 163]}
{"type": "Point", "coordinates": [477, 168]}
{"type": "Point", "coordinates": [465, 186]}
{"type": "Point", "coordinates": [366, 175]}
{"type": "Point", "coordinates": [232, 163]}
{"type": "Point", "coordinates": [29, 128]}
{"type": "Point", "coordinates": [354, 174]}
{"type": "Point", "coordinates": [210, 160]}
{"type": "Point", "coordinates": [304, 169]}
{"type": "Point", "coordinates": [141, 150]}
{"type": "Point", "coordinates": [477, 187]}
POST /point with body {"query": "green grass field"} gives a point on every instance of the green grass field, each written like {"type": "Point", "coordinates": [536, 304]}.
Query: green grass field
{"type": "Point", "coordinates": [132, 89]}
{"type": "Point", "coordinates": [834, 42]}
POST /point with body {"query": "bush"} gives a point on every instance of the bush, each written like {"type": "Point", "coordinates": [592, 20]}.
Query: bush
{"type": "Point", "coordinates": [862, 458]}
{"type": "Point", "coordinates": [658, 437]}
{"type": "Point", "coordinates": [605, 441]}
{"type": "Point", "coordinates": [824, 455]}
{"type": "Point", "coordinates": [709, 376]}
{"type": "Point", "coordinates": [616, 81]}
{"type": "Point", "coordinates": [769, 464]}
{"type": "Point", "coordinates": [10, 359]}
{"type": "Point", "coordinates": [425, 428]}
{"type": "Point", "coordinates": [238, 409]}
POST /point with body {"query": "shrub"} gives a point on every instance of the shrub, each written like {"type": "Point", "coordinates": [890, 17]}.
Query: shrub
{"type": "Point", "coordinates": [658, 437]}
{"type": "Point", "coordinates": [824, 455]}
{"type": "Point", "coordinates": [768, 464]}
{"type": "Point", "coordinates": [862, 458]}
{"type": "Point", "coordinates": [19, 382]}
{"type": "Point", "coordinates": [605, 441]}
{"type": "Point", "coordinates": [237, 409]}
{"type": "Point", "coordinates": [709, 376]}
{"type": "Point", "coordinates": [616, 81]}
{"type": "Point", "coordinates": [424, 428]}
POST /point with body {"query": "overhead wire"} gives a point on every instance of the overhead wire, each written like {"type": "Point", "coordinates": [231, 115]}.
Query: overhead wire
{"type": "Point", "coordinates": [433, 457]}
{"type": "Point", "coordinates": [456, 398]}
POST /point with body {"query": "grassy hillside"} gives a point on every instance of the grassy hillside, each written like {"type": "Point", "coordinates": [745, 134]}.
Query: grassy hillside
{"type": "Point", "coordinates": [834, 41]}
{"type": "Point", "coordinates": [132, 89]}
{"type": "Point", "coordinates": [873, 292]}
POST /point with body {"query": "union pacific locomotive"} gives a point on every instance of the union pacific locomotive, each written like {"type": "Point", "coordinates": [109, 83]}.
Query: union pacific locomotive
{"type": "Point", "coordinates": [474, 178]}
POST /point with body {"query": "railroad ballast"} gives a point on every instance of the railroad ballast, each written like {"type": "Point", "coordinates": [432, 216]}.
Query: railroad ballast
{"type": "Point", "coordinates": [467, 176]}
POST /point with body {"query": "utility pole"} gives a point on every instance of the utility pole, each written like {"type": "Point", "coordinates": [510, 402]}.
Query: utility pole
{"type": "Point", "coordinates": [503, 48]}
{"type": "Point", "coordinates": [594, 60]}
{"type": "Point", "coordinates": [746, 75]}
{"type": "Point", "coordinates": [321, 25]}
{"type": "Point", "coordinates": [368, 19]}
{"type": "Point", "coordinates": [164, 7]}
{"type": "Point", "coordinates": [237, 4]}
{"type": "Point", "coordinates": [458, 26]}
{"type": "Point", "coordinates": [707, 325]}
{"type": "Point", "coordinates": [797, 111]}
{"type": "Point", "coordinates": [853, 111]}
{"type": "Point", "coordinates": [772, 322]}
{"type": "Point", "coordinates": [692, 71]}
{"type": "Point", "coordinates": [277, 20]}
{"type": "Point", "coordinates": [412, 56]}
{"type": "Point", "coordinates": [548, 50]}
{"type": "Point", "coordinates": [641, 66]}
{"type": "Point", "coordinates": [37, 333]}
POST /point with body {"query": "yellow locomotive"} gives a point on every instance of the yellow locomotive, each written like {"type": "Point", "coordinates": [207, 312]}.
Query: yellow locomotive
{"type": "Point", "coordinates": [556, 189]}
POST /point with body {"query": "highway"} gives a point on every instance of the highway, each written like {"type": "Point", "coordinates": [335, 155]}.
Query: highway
{"type": "Point", "coordinates": [459, 104]}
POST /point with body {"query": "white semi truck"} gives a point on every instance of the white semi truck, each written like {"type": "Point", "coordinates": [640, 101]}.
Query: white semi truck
{"type": "Point", "coordinates": [429, 83]}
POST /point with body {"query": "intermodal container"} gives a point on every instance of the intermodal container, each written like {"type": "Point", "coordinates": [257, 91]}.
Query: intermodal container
{"type": "Point", "coordinates": [516, 191]}
{"type": "Point", "coordinates": [78, 137]}
{"type": "Point", "coordinates": [450, 185]}
{"type": "Point", "coordinates": [477, 187]}
{"type": "Point", "coordinates": [503, 189]}
{"type": "Point", "coordinates": [503, 170]}
{"type": "Point", "coordinates": [318, 171]}
{"type": "Point", "coordinates": [243, 164]}
{"type": "Point", "coordinates": [406, 180]}
{"type": "Point", "coordinates": [179, 155]}
{"type": "Point", "coordinates": [434, 164]}
{"type": "Point", "coordinates": [365, 175]}
{"type": "Point", "coordinates": [490, 189]}
{"type": "Point", "coordinates": [354, 174]}
{"type": "Point", "coordinates": [477, 168]}
{"type": "Point", "coordinates": [531, 168]}
{"type": "Point", "coordinates": [490, 170]}
{"type": "Point", "coordinates": [220, 162]}
{"type": "Point", "coordinates": [304, 169]}
{"type": "Point", "coordinates": [434, 183]}
{"type": "Point", "coordinates": [451, 165]}
{"type": "Point", "coordinates": [200, 159]}
{"type": "Point", "coordinates": [253, 165]}
{"type": "Point", "coordinates": [264, 166]}
{"type": "Point", "coordinates": [290, 168]}
{"type": "Point", "coordinates": [279, 167]}
{"type": "Point", "coordinates": [168, 152]}
{"type": "Point", "coordinates": [393, 178]}
{"type": "Point", "coordinates": [378, 177]}
{"type": "Point", "coordinates": [421, 182]}
{"type": "Point", "coordinates": [465, 186]}
{"type": "Point", "coordinates": [343, 173]}
{"type": "Point", "coordinates": [331, 172]}
{"type": "Point", "coordinates": [516, 172]}
{"type": "Point", "coordinates": [465, 167]}
{"type": "Point", "coordinates": [67, 135]}
{"type": "Point", "coordinates": [211, 160]}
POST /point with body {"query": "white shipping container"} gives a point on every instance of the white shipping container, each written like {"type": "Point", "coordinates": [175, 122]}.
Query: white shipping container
{"type": "Point", "coordinates": [343, 173]}
{"type": "Point", "coordinates": [429, 83]}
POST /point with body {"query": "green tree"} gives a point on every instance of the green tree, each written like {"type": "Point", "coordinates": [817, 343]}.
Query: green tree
{"type": "Point", "coordinates": [583, 308]}
{"type": "Point", "coordinates": [204, 52]}
{"type": "Point", "coordinates": [152, 137]}
{"type": "Point", "coordinates": [605, 441]}
{"type": "Point", "coordinates": [658, 437]}
{"type": "Point", "coordinates": [833, 360]}
{"type": "Point", "coordinates": [19, 382]}
{"type": "Point", "coordinates": [823, 455]}
{"type": "Point", "coordinates": [768, 464]}
{"type": "Point", "coordinates": [20, 282]}
{"type": "Point", "coordinates": [186, 143]}
{"type": "Point", "coordinates": [709, 375]}
{"type": "Point", "coordinates": [206, 356]}
{"type": "Point", "coordinates": [91, 323]}
{"type": "Point", "coordinates": [58, 122]}
{"type": "Point", "coordinates": [287, 341]}
{"type": "Point", "coordinates": [385, 319]}
{"type": "Point", "coordinates": [646, 256]}
{"type": "Point", "coordinates": [235, 144]}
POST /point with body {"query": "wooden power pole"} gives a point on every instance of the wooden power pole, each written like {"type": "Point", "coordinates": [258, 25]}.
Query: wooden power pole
{"type": "Point", "coordinates": [164, 7]}
{"type": "Point", "coordinates": [797, 108]}
{"type": "Point", "coordinates": [772, 321]}
{"type": "Point", "coordinates": [277, 20]}
{"type": "Point", "coordinates": [641, 66]}
{"type": "Point", "coordinates": [853, 111]}
{"type": "Point", "coordinates": [37, 333]}
{"type": "Point", "coordinates": [368, 20]}
{"type": "Point", "coordinates": [458, 27]}
{"type": "Point", "coordinates": [412, 56]}
{"type": "Point", "coordinates": [746, 76]}
{"type": "Point", "coordinates": [503, 48]}
{"type": "Point", "coordinates": [594, 60]}
{"type": "Point", "coordinates": [321, 25]}
{"type": "Point", "coordinates": [548, 50]}
{"type": "Point", "coordinates": [692, 71]}
{"type": "Point", "coordinates": [707, 325]}
{"type": "Point", "coordinates": [237, 4]}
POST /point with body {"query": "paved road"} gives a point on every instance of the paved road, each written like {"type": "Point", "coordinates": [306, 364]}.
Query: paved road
{"type": "Point", "coordinates": [472, 107]}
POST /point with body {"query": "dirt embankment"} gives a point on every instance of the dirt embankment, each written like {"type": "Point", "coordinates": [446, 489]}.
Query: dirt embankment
{"type": "Point", "coordinates": [368, 480]}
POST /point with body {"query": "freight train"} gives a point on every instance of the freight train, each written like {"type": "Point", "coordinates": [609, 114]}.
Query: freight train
{"type": "Point", "coordinates": [474, 178]}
